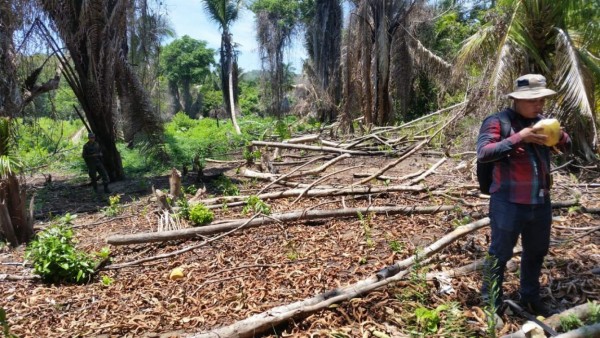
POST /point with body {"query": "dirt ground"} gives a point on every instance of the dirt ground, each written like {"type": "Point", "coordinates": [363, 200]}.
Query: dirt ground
{"type": "Point", "coordinates": [254, 270]}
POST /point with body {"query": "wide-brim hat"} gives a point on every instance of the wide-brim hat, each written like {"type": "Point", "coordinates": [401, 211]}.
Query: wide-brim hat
{"type": "Point", "coordinates": [90, 135]}
{"type": "Point", "coordinates": [531, 86]}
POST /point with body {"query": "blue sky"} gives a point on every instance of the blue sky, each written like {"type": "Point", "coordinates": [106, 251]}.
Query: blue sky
{"type": "Point", "coordinates": [188, 18]}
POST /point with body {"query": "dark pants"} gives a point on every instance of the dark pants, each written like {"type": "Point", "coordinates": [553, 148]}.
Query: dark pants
{"type": "Point", "coordinates": [508, 221]}
{"type": "Point", "coordinates": [97, 167]}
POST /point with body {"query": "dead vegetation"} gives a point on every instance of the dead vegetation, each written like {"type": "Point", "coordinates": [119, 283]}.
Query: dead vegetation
{"type": "Point", "coordinates": [363, 235]}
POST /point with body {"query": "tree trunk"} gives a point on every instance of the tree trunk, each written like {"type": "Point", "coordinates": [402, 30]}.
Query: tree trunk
{"type": "Point", "coordinates": [229, 94]}
{"type": "Point", "coordinates": [175, 101]}
{"type": "Point", "coordinates": [258, 221]}
{"type": "Point", "coordinates": [188, 101]}
{"type": "Point", "coordinates": [16, 224]}
{"type": "Point", "coordinates": [94, 54]}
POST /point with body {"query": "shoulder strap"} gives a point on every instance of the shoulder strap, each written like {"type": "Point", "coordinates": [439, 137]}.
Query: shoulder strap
{"type": "Point", "coordinates": [505, 125]}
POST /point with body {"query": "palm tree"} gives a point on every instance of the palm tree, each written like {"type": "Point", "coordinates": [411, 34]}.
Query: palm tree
{"type": "Point", "coordinates": [381, 56]}
{"type": "Point", "coordinates": [225, 12]}
{"type": "Point", "coordinates": [94, 33]}
{"type": "Point", "coordinates": [558, 39]}
{"type": "Point", "coordinates": [16, 224]}
{"type": "Point", "coordinates": [323, 43]}
{"type": "Point", "coordinates": [276, 23]}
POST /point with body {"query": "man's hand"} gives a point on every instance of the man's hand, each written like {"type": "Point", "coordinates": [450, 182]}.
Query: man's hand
{"type": "Point", "coordinates": [529, 135]}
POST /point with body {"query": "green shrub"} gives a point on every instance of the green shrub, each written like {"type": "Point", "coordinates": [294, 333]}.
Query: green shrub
{"type": "Point", "coordinates": [254, 205]}
{"type": "Point", "coordinates": [201, 215]}
{"type": "Point", "coordinates": [226, 186]}
{"type": "Point", "coordinates": [594, 316]}
{"type": "Point", "coordinates": [428, 320]}
{"type": "Point", "coordinates": [114, 208]}
{"type": "Point", "coordinates": [184, 207]}
{"type": "Point", "coordinates": [55, 258]}
{"type": "Point", "coordinates": [570, 322]}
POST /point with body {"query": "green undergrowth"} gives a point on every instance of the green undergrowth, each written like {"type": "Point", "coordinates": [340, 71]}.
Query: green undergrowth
{"type": "Point", "coordinates": [49, 145]}
{"type": "Point", "coordinates": [56, 259]}
{"type": "Point", "coordinates": [46, 143]}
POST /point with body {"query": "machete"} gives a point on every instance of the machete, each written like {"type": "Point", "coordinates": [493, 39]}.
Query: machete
{"type": "Point", "coordinates": [531, 317]}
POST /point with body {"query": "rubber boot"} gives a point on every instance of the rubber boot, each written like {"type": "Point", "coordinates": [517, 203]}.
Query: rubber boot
{"type": "Point", "coordinates": [106, 190]}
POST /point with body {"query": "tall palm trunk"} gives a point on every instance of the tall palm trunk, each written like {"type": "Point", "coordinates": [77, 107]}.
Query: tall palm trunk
{"type": "Point", "coordinates": [16, 224]}
{"type": "Point", "coordinates": [228, 87]}
{"type": "Point", "coordinates": [93, 32]}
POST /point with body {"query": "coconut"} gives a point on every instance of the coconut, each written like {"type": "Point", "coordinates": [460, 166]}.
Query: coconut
{"type": "Point", "coordinates": [176, 274]}
{"type": "Point", "coordinates": [550, 128]}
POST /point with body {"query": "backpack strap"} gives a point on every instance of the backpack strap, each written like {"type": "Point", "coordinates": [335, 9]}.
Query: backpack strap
{"type": "Point", "coordinates": [505, 125]}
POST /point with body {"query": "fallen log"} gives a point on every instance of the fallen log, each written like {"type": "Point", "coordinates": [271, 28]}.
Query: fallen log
{"type": "Point", "coordinates": [583, 332]}
{"type": "Point", "coordinates": [5, 276]}
{"type": "Point", "coordinates": [582, 312]}
{"type": "Point", "coordinates": [391, 178]}
{"type": "Point", "coordinates": [426, 173]}
{"type": "Point", "coordinates": [264, 220]}
{"type": "Point", "coordinates": [316, 148]}
{"type": "Point", "coordinates": [261, 322]}
{"type": "Point", "coordinates": [294, 172]}
{"type": "Point", "coordinates": [312, 193]}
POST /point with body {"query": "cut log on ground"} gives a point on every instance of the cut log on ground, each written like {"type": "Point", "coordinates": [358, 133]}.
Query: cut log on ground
{"type": "Point", "coordinates": [261, 322]}
{"type": "Point", "coordinates": [316, 148]}
{"type": "Point", "coordinates": [583, 332]}
{"type": "Point", "coordinates": [582, 312]}
{"type": "Point", "coordinates": [311, 193]}
{"type": "Point", "coordinates": [284, 218]}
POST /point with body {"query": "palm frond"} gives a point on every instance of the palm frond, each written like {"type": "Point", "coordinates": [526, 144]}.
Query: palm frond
{"type": "Point", "coordinates": [571, 81]}
{"type": "Point", "coordinates": [507, 67]}
{"type": "Point", "coordinates": [426, 58]}
{"type": "Point", "coordinates": [473, 47]}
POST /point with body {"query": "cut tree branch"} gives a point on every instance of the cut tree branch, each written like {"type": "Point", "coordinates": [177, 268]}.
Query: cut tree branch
{"type": "Point", "coordinates": [284, 218]}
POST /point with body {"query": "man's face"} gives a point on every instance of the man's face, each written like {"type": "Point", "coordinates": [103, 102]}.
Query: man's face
{"type": "Point", "coordinates": [91, 139]}
{"type": "Point", "coordinates": [530, 108]}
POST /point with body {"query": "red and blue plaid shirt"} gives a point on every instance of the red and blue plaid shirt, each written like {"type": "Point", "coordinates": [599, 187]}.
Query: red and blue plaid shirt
{"type": "Point", "coordinates": [521, 170]}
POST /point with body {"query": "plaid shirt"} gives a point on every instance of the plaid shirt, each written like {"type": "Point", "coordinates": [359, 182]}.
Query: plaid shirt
{"type": "Point", "coordinates": [521, 170]}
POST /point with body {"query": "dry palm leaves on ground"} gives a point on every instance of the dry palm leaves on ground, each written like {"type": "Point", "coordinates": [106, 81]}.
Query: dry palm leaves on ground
{"type": "Point", "coordinates": [252, 270]}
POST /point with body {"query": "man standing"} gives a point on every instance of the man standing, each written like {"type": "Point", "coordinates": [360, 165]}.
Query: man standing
{"type": "Point", "coordinates": [92, 155]}
{"type": "Point", "coordinates": [520, 192]}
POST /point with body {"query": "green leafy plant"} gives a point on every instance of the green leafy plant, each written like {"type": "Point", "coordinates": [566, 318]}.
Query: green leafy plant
{"type": "Point", "coordinates": [570, 322]}
{"type": "Point", "coordinates": [190, 189]}
{"type": "Point", "coordinates": [5, 325]}
{"type": "Point", "coordinates": [594, 316]}
{"type": "Point", "coordinates": [106, 280]}
{"type": "Point", "coordinates": [226, 186]}
{"type": "Point", "coordinates": [251, 156]}
{"type": "Point", "coordinates": [428, 320]}
{"type": "Point", "coordinates": [282, 130]}
{"type": "Point", "coordinates": [254, 205]}
{"type": "Point", "coordinates": [462, 221]}
{"type": "Point", "coordinates": [490, 308]}
{"type": "Point", "coordinates": [366, 224]}
{"type": "Point", "coordinates": [104, 253]}
{"type": "Point", "coordinates": [184, 208]}
{"type": "Point", "coordinates": [201, 215]}
{"type": "Point", "coordinates": [396, 246]}
{"type": "Point", "coordinates": [114, 207]}
{"type": "Point", "coordinates": [55, 258]}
